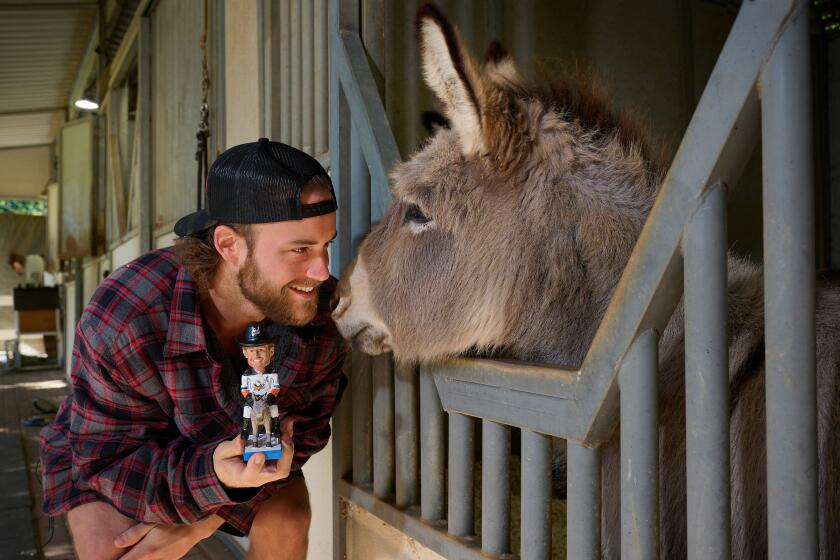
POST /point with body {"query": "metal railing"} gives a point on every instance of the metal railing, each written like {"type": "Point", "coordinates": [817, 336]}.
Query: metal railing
{"type": "Point", "coordinates": [762, 74]}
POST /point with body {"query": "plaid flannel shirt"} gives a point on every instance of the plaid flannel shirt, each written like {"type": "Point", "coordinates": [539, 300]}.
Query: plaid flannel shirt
{"type": "Point", "coordinates": [147, 407]}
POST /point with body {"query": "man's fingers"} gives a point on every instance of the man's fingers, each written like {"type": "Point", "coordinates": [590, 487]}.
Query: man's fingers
{"type": "Point", "coordinates": [254, 466]}
{"type": "Point", "coordinates": [288, 426]}
{"type": "Point", "coordinates": [132, 535]}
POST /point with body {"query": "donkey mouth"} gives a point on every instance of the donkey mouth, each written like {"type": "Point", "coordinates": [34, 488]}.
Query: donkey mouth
{"type": "Point", "coordinates": [370, 341]}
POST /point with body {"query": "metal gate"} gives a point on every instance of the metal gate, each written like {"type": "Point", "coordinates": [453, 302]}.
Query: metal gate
{"type": "Point", "coordinates": [762, 75]}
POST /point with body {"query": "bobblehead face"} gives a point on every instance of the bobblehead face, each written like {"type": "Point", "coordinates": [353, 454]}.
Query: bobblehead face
{"type": "Point", "coordinates": [259, 356]}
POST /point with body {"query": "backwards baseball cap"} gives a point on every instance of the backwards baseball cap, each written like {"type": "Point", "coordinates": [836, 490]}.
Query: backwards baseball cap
{"type": "Point", "coordinates": [256, 183]}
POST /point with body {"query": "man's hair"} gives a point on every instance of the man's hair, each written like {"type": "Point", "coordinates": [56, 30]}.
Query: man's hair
{"type": "Point", "coordinates": [197, 253]}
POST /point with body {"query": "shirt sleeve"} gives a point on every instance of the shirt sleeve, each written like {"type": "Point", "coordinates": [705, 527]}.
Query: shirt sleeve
{"type": "Point", "coordinates": [125, 449]}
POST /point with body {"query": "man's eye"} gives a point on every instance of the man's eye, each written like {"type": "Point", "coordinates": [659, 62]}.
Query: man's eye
{"type": "Point", "coordinates": [300, 250]}
{"type": "Point", "coordinates": [415, 215]}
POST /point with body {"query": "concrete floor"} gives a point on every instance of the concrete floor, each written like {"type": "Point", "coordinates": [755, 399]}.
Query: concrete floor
{"type": "Point", "coordinates": [27, 533]}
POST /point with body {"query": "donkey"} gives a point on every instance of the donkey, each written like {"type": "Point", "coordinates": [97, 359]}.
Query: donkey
{"type": "Point", "coordinates": [507, 236]}
{"type": "Point", "coordinates": [260, 416]}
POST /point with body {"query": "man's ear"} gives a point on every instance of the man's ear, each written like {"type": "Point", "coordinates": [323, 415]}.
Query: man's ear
{"type": "Point", "coordinates": [230, 245]}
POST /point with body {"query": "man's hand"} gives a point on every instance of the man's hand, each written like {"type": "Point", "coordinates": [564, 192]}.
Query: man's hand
{"type": "Point", "coordinates": [249, 399]}
{"type": "Point", "coordinates": [233, 473]}
{"type": "Point", "coordinates": [149, 541]}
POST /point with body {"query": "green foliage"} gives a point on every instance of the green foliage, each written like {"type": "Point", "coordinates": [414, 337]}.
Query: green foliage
{"type": "Point", "coordinates": [29, 207]}
{"type": "Point", "coordinates": [827, 15]}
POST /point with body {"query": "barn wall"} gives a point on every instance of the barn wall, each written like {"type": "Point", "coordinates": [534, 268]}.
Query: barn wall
{"type": "Point", "coordinates": [242, 73]}
{"type": "Point", "coordinates": [176, 95]}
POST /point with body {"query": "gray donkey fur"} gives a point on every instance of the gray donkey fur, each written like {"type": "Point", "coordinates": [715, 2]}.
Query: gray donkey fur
{"type": "Point", "coordinates": [508, 235]}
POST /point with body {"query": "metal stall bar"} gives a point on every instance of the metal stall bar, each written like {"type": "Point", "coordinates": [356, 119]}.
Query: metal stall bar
{"type": "Point", "coordinates": [307, 84]}
{"type": "Point", "coordinates": [362, 92]}
{"type": "Point", "coordinates": [432, 449]}
{"type": "Point", "coordinates": [707, 380]}
{"type": "Point", "coordinates": [406, 417]}
{"type": "Point", "coordinates": [360, 388]}
{"type": "Point", "coordinates": [383, 425]}
{"type": "Point", "coordinates": [295, 114]}
{"type": "Point", "coordinates": [321, 123]}
{"type": "Point", "coordinates": [461, 487]}
{"type": "Point", "coordinates": [341, 14]}
{"type": "Point", "coordinates": [536, 497]}
{"type": "Point", "coordinates": [495, 488]}
{"type": "Point", "coordinates": [583, 502]}
{"type": "Point", "coordinates": [637, 381]}
{"type": "Point", "coordinates": [285, 71]}
{"type": "Point", "coordinates": [361, 384]}
{"type": "Point", "coordinates": [789, 299]}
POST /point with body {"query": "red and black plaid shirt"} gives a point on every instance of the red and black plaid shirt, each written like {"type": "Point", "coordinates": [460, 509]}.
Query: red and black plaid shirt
{"type": "Point", "coordinates": [149, 401]}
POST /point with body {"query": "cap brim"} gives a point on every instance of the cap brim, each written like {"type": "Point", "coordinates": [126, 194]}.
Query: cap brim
{"type": "Point", "coordinates": [264, 342]}
{"type": "Point", "coordinates": [194, 223]}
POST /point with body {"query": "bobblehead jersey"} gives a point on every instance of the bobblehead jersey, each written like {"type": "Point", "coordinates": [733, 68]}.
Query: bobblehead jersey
{"type": "Point", "coordinates": [261, 409]}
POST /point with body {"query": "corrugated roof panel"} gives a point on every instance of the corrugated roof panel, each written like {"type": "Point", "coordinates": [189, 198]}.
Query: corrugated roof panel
{"type": "Point", "coordinates": [41, 45]}
{"type": "Point", "coordinates": [33, 129]}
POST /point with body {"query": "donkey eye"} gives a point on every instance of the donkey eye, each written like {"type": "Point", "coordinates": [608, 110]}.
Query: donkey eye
{"type": "Point", "coordinates": [415, 215]}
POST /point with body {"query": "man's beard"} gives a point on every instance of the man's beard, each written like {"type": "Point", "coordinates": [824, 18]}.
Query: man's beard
{"type": "Point", "coordinates": [278, 304]}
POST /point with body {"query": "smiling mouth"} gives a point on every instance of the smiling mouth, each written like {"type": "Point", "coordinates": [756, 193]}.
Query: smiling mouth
{"type": "Point", "coordinates": [306, 292]}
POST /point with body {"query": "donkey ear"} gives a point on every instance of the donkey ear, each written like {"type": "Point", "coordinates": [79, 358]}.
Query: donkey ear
{"type": "Point", "coordinates": [499, 65]}
{"type": "Point", "coordinates": [450, 73]}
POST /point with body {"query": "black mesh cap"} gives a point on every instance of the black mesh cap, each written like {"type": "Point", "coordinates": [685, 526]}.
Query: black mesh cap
{"type": "Point", "coordinates": [256, 183]}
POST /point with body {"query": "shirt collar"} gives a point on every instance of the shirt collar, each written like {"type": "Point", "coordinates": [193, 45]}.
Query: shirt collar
{"type": "Point", "coordinates": [186, 328]}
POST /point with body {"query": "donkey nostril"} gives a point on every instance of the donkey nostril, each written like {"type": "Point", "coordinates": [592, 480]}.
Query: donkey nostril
{"type": "Point", "coordinates": [334, 301]}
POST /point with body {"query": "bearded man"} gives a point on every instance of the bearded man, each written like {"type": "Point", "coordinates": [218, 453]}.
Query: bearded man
{"type": "Point", "coordinates": [144, 456]}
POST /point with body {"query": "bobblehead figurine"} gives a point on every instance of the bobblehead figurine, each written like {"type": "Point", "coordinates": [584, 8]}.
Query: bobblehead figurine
{"type": "Point", "coordinates": [260, 389]}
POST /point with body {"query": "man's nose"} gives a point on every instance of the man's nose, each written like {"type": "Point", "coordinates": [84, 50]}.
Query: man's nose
{"type": "Point", "coordinates": [320, 269]}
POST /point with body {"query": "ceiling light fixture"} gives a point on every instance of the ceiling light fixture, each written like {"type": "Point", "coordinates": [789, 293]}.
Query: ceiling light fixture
{"type": "Point", "coordinates": [87, 102]}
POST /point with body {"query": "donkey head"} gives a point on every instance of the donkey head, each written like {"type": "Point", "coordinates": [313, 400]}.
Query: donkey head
{"type": "Point", "coordinates": [508, 230]}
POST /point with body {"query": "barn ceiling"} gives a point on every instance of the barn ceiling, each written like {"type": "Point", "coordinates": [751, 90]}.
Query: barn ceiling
{"type": "Point", "coordinates": [41, 44]}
